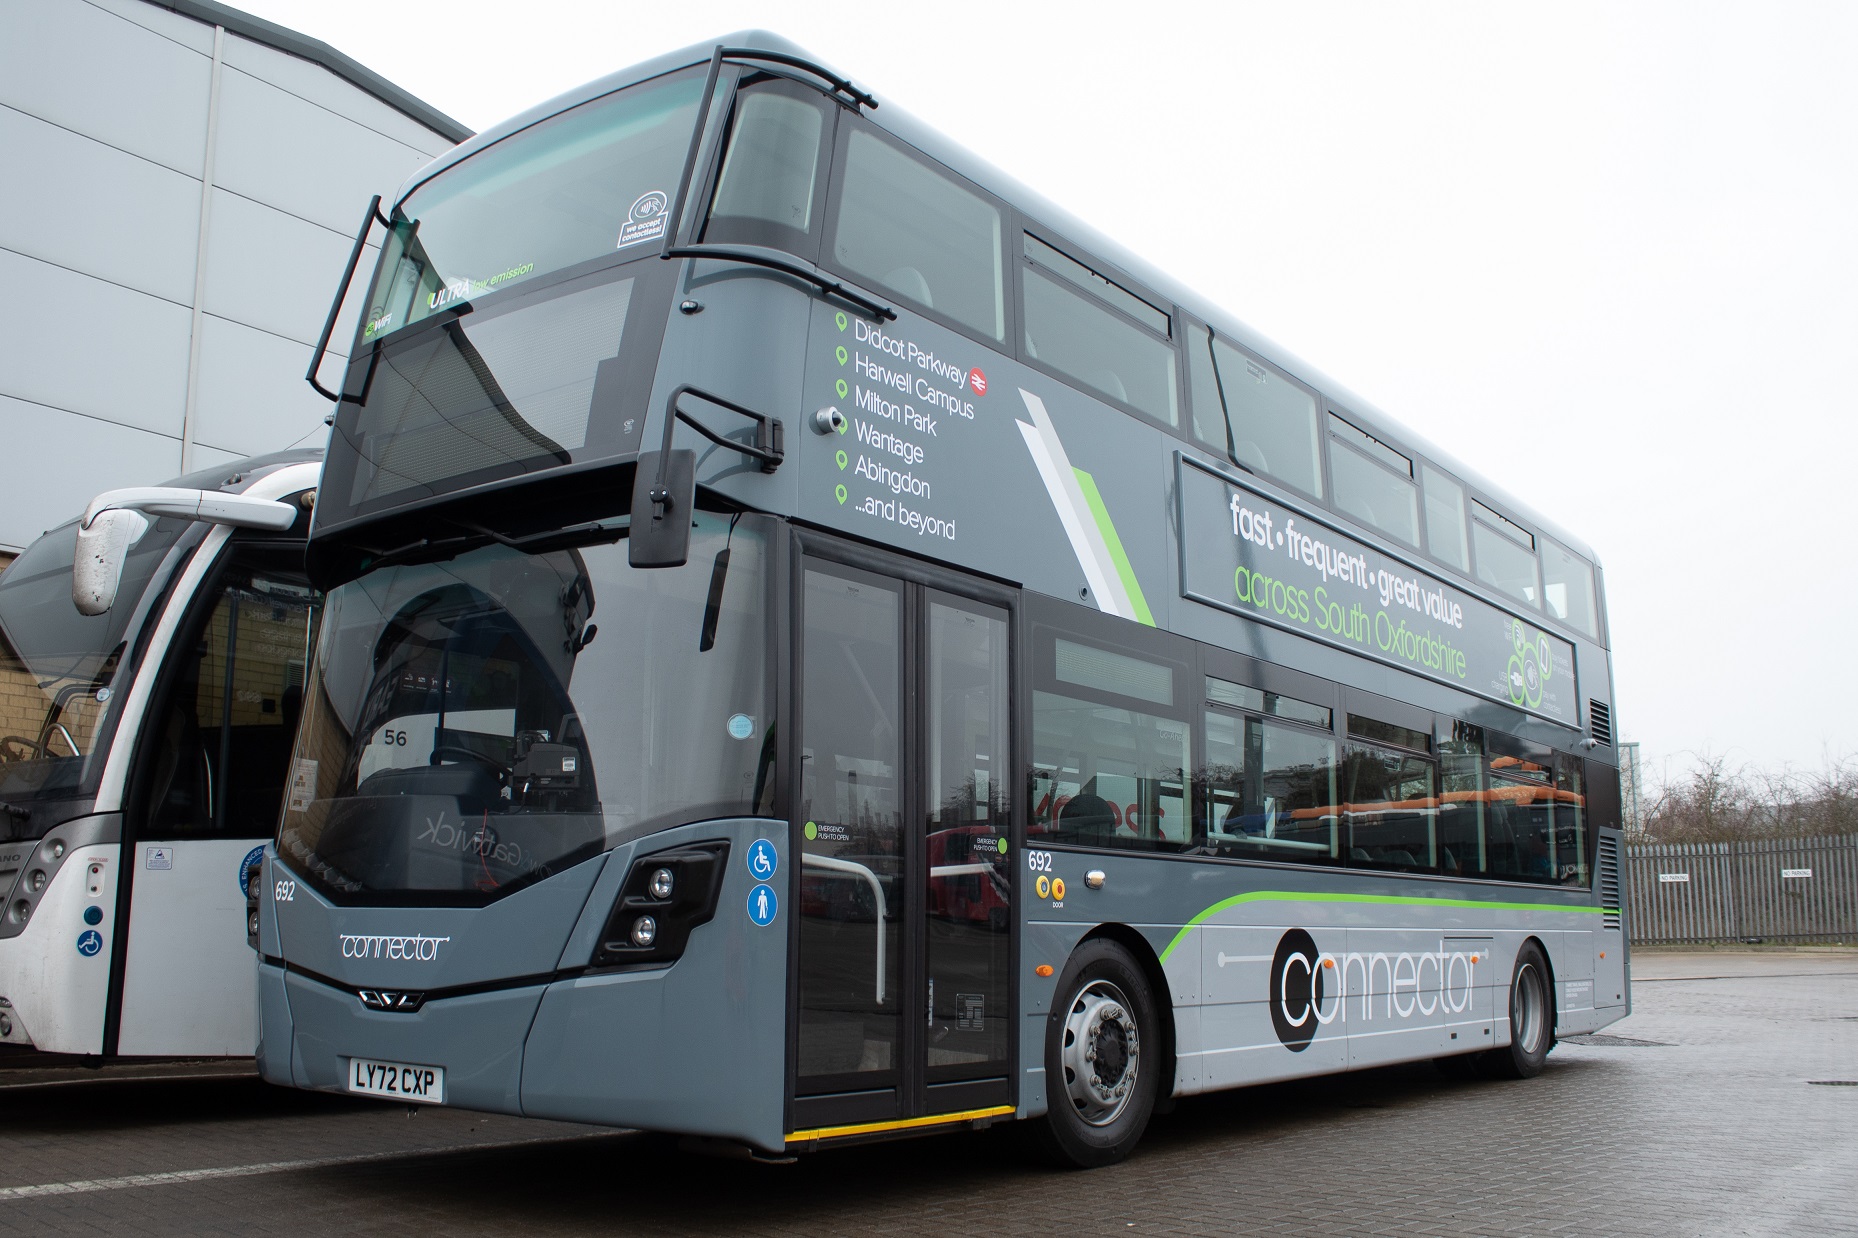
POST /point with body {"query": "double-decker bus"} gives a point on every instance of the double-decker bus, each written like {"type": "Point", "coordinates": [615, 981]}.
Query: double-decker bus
{"type": "Point", "coordinates": [152, 662]}
{"type": "Point", "coordinates": [820, 645]}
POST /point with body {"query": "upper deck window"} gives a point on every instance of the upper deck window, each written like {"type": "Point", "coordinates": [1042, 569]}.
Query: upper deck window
{"type": "Point", "coordinates": [582, 185]}
{"type": "Point", "coordinates": [1086, 328]}
{"type": "Point", "coordinates": [914, 232]}
{"type": "Point", "coordinates": [1373, 482]}
{"type": "Point", "coordinates": [1445, 519]}
{"type": "Point", "coordinates": [1204, 405]}
{"type": "Point", "coordinates": [768, 191]}
{"type": "Point", "coordinates": [1272, 420]}
{"type": "Point", "coordinates": [1112, 294]}
{"type": "Point", "coordinates": [1568, 588]}
{"type": "Point", "coordinates": [1505, 554]}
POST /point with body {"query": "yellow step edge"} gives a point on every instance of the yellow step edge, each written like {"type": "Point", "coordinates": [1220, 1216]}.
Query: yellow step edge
{"type": "Point", "coordinates": [901, 1124]}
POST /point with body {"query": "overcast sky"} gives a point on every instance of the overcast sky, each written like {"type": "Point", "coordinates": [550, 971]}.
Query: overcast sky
{"type": "Point", "coordinates": [1604, 254]}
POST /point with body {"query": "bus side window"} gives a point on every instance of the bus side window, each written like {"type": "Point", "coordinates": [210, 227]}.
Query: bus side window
{"type": "Point", "coordinates": [1373, 482]}
{"type": "Point", "coordinates": [1272, 420]}
{"type": "Point", "coordinates": [911, 231]}
{"type": "Point", "coordinates": [1108, 771]}
{"type": "Point", "coordinates": [1207, 406]}
{"type": "Point", "coordinates": [768, 190]}
{"type": "Point", "coordinates": [223, 734]}
{"type": "Point", "coordinates": [1520, 810]}
{"type": "Point", "coordinates": [1270, 790]}
{"type": "Point", "coordinates": [1098, 334]}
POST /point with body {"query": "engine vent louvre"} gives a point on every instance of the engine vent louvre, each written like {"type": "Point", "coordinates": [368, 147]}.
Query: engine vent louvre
{"type": "Point", "coordinates": [1600, 722]}
{"type": "Point", "coordinates": [1609, 882]}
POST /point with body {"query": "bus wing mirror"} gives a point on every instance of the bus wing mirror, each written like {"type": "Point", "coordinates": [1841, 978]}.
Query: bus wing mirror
{"type": "Point", "coordinates": [663, 501]}
{"type": "Point", "coordinates": [116, 519]}
{"type": "Point", "coordinates": [102, 548]}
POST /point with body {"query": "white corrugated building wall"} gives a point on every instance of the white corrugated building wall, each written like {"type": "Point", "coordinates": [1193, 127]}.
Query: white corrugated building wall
{"type": "Point", "coordinates": [130, 130]}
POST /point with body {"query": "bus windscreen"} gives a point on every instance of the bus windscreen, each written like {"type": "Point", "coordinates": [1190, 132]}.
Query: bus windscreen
{"type": "Point", "coordinates": [590, 182]}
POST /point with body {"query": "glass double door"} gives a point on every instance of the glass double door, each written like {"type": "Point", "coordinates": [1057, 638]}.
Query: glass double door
{"type": "Point", "coordinates": [903, 803]}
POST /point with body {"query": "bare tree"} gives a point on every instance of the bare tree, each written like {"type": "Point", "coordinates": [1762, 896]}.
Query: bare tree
{"type": "Point", "coordinates": [1713, 801]}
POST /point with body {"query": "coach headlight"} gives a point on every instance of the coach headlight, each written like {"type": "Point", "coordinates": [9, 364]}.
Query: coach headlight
{"type": "Point", "coordinates": [664, 897]}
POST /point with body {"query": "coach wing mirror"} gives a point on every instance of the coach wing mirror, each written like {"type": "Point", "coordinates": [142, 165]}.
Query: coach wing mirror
{"type": "Point", "coordinates": [664, 497]}
{"type": "Point", "coordinates": [117, 519]}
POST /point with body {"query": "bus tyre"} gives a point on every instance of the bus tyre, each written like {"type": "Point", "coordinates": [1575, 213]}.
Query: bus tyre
{"type": "Point", "coordinates": [1102, 1059]}
{"type": "Point", "coordinates": [1532, 1020]}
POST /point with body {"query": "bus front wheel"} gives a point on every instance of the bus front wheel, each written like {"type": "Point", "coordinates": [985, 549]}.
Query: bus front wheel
{"type": "Point", "coordinates": [1532, 1020]}
{"type": "Point", "coordinates": [1102, 1054]}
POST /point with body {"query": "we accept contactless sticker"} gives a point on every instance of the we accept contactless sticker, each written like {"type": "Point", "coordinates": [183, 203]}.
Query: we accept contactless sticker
{"type": "Point", "coordinates": [646, 220]}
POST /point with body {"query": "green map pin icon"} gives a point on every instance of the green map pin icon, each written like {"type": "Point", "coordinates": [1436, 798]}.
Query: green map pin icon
{"type": "Point", "coordinates": [845, 427]}
{"type": "Point", "coordinates": [842, 389]}
{"type": "Point", "coordinates": [842, 355]}
{"type": "Point", "coordinates": [841, 320]}
{"type": "Point", "coordinates": [840, 492]}
{"type": "Point", "coordinates": [844, 459]}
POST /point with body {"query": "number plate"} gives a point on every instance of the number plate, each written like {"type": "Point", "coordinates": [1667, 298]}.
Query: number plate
{"type": "Point", "coordinates": [423, 1085]}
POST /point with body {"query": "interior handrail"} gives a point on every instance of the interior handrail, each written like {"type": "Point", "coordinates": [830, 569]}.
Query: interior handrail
{"type": "Point", "coordinates": [854, 869]}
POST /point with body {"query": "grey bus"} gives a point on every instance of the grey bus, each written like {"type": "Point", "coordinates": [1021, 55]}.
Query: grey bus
{"type": "Point", "coordinates": [820, 646]}
{"type": "Point", "coordinates": [152, 662]}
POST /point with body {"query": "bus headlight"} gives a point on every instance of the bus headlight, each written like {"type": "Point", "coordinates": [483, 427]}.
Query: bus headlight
{"type": "Point", "coordinates": [664, 897]}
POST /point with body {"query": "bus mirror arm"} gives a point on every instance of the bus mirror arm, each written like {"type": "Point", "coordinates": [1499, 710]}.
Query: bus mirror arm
{"type": "Point", "coordinates": [660, 535]}
{"type": "Point", "coordinates": [341, 294]}
{"type": "Point", "coordinates": [116, 520]}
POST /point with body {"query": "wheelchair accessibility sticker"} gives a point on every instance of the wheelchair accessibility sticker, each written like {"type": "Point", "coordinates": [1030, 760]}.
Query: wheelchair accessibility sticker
{"type": "Point", "coordinates": [89, 942]}
{"type": "Point", "coordinates": [762, 859]}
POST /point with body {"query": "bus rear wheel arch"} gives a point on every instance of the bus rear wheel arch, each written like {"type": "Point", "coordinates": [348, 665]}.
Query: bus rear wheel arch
{"type": "Point", "coordinates": [1105, 1058]}
{"type": "Point", "coordinates": [1532, 1018]}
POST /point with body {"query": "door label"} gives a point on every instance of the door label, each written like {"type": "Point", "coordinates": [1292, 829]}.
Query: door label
{"type": "Point", "coordinates": [160, 859]}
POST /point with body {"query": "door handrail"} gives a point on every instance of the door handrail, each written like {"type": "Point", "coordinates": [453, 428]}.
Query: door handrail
{"type": "Point", "coordinates": [855, 869]}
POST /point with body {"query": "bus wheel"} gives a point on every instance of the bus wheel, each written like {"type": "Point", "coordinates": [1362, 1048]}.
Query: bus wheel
{"type": "Point", "coordinates": [1101, 1057]}
{"type": "Point", "coordinates": [1532, 1020]}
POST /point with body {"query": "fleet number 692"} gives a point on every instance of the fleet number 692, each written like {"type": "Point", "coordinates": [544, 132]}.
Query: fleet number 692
{"type": "Point", "coordinates": [1039, 861]}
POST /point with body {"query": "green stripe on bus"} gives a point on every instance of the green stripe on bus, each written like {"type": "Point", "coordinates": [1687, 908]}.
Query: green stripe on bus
{"type": "Point", "coordinates": [1123, 569]}
{"type": "Point", "coordinates": [1385, 900]}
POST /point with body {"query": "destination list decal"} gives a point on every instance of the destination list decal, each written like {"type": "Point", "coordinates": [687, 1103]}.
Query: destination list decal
{"type": "Point", "coordinates": [1252, 556]}
{"type": "Point", "coordinates": [905, 407]}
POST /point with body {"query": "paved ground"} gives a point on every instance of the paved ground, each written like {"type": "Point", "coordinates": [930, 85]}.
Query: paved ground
{"type": "Point", "coordinates": [1703, 1121]}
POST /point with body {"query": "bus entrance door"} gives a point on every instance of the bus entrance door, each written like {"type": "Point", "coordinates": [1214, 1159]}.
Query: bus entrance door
{"type": "Point", "coordinates": [209, 778]}
{"type": "Point", "coordinates": [903, 996]}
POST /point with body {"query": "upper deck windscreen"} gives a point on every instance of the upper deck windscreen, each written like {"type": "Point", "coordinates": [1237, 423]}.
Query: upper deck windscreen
{"type": "Point", "coordinates": [582, 185]}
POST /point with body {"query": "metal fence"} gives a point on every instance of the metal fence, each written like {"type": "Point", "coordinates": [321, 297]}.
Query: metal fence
{"type": "Point", "coordinates": [1795, 890]}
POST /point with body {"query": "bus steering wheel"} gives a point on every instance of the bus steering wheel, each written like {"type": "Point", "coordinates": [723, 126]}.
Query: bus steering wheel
{"type": "Point", "coordinates": [458, 750]}
{"type": "Point", "coordinates": [27, 749]}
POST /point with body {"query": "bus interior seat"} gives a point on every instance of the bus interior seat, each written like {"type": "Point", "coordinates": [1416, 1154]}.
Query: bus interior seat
{"type": "Point", "coordinates": [1106, 381]}
{"type": "Point", "coordinates": [910, 282]}
{"type": "Point", "coordinates": [1251, 455]}
{"type": "Point", "coordinates": [1358, 853]}
{"type": "Point", "coordinates": [1087, 816]}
